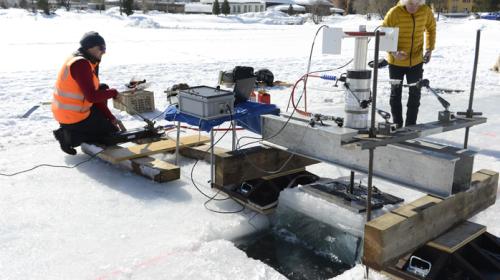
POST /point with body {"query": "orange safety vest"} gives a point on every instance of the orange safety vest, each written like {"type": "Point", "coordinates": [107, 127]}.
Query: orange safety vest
{"type": "Point", "coordinates": [69, 104]}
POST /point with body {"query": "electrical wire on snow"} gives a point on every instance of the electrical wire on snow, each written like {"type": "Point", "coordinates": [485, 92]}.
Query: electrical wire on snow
{"type": "Point", "coordinates": [51, 165]}
{"type": "Point", "coordinates": [213, 198]}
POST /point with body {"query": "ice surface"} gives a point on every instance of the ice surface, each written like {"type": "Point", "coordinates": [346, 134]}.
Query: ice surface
{"type": "Point", "coordinates": [100, 221]}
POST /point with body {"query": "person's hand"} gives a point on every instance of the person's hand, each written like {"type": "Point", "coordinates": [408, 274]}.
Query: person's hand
{"type": "Point", "coordinates": [118, 96]}
{"type": "Point", "coordinates": [427, 56]}
{"type": "Point", "coordinates": [399, 55]}
{"type": "Point", "coordinates": [103, 87]}
{"type": "Point", "coordinates": [119, 125]}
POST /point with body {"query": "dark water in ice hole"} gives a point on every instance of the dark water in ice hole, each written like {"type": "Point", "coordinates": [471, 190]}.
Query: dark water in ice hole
{"type": "Point", "coordinates": [292, 259]}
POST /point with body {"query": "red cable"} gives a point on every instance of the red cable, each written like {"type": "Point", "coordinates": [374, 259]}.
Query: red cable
{"type": "Point", "coordinates": [304, 113]}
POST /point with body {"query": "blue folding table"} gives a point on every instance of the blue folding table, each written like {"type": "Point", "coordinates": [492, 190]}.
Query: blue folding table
{"type": "Point", "coordinates": [246, 114]}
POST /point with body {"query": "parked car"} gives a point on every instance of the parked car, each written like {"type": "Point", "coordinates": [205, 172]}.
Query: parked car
{"type": "Point", "coordinates": [492, 16]}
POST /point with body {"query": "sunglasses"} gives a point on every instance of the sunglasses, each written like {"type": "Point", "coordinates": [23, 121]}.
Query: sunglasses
{"type": "Point", "coordinates": [102, 48]}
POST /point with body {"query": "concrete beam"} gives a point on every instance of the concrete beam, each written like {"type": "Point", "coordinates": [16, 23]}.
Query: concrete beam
{"type": "Point", "coordinates": [433, 168]}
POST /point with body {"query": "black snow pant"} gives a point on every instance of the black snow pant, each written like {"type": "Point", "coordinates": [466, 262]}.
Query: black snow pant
{"type": "Point", "coordinates": [94, 129]}
{"type": "Point", "coordinates": [413, 75]}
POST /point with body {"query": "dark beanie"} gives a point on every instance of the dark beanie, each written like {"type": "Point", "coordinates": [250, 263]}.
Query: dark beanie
{"type": "Point", "coordinates": [91, 39]}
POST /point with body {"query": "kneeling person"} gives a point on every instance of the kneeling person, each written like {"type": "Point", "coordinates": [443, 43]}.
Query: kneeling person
{"type": "Point", "coordinates": [79, 100]}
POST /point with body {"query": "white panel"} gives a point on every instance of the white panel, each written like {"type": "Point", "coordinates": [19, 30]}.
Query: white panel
{"type": "Point", "coordinates": [332, 40]}
{"type": "Point", "coordinates": [389, 42]}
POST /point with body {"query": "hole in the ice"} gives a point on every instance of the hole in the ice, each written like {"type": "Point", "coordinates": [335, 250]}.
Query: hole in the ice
{"type": "Point", "coordinates": [300, 247]}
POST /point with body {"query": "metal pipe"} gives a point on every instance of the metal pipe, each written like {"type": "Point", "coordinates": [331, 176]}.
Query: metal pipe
{"type": "Point", "coordinates": [370, 182]}
{"type": "Point", "coordinates": [470, 112]}
{"type": "Point", "coordinates": [351, 186]}
{"type": "Point", "coordinates": [374, 87]}
{"type": "Point", "coordinates": [372, 128]}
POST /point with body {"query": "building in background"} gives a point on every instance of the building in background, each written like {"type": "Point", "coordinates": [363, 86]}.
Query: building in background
{"type": "Point", "coordinates": [241, 6]}
{"type": "Point", "coordinates": [453, 6]}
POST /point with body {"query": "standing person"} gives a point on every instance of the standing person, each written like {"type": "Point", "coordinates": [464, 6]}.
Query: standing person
{"type": "Point", "coordinates": [413, 18]}
{"type": "Point", "coordinates": [79, 101]}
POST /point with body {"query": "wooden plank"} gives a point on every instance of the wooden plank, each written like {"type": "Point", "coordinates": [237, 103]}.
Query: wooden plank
{"type": "Point", "coordinates": [237, 166]}
{"type": "Point", "coordinates": [201, 152]}
{"type": "Point", "coordinates": [155, 169]}
{"type": "Point", "coordinates": [457, 237]}
{"type": "Point", "coordinates": [119, 154]}
{"type": "Point", "coordinates": [388, 238]}
{"type": "Point", "coordinates": [413, 208]}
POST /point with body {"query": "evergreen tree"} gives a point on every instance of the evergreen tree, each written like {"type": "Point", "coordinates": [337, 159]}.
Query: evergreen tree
{"type": "Point", "coordinates": [64, 3]}
{"type": "Point", "coordinates": [226, 10]}
{"type": "Point", "coordinates": [23, 4]}
{"type": "Point", "coordinates": [216, 8]}
{"type": "Point", "coordinates": [44, 6]}
{"type": "Point", "coordinates": [128, 7]}
{"type": "Point", "coordinates": [290, 10]}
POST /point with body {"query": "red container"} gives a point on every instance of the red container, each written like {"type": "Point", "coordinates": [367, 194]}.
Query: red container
{"type": "Point", "coordinates": [264, 97]}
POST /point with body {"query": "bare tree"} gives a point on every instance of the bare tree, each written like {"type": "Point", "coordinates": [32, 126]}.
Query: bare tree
{"type": "Point", "coordinates": [318, 10]}
{"type": "Point", "coordinates": [380, 6]}
{"type": "Point", "coordinates": [145, 7]}
{"type": "Point", "coordinates": [360, 6]}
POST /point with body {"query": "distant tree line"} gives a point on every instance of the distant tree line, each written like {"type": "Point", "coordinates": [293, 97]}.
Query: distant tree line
{"type": "Point", "coordinates": [382, 6]}
{"type": "Point", "coordinates": [317, 9]}
{"type": "Point", "coordinates": [486, 5]}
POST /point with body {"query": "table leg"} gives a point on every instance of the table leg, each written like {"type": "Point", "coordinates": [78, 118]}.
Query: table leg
{"type": "Point", "coordinates": [234, 134]}
{"type": "Point", "coordinates": [177, 140]}
{"type": "Point", "coordinates": [212, 159]}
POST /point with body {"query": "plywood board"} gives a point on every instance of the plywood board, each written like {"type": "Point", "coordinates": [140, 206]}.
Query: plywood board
{"type": "Point", "coordinates": [116, 155]}
{"type": "Point", "coordinates": [457, 237]}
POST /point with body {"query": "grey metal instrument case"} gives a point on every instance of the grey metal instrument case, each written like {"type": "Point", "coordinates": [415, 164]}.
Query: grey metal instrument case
{"type": "Point", "coordinates": [206, 102]}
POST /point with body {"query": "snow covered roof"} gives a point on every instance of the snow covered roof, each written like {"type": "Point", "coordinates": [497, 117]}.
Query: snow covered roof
{"type": "Point", "coordinates": [296, 8]}
{"type": "Point", "coordinates": [288, 2]}
{"type": "Point", "coordinates": [312, 2]}
{"type": "Point", "coordinates": [300, 2]}
{"type": "Point", "coordinates": [234, 1]}
{"type": "Point", "coordinates": [197, 8]}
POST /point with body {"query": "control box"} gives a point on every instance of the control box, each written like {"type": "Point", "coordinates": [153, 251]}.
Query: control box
{"type": "Point", "coordinates": [206, 102]}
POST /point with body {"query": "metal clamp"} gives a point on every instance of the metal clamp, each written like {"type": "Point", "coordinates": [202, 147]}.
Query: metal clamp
{"type": "Point", "coordinates": [419, 266]}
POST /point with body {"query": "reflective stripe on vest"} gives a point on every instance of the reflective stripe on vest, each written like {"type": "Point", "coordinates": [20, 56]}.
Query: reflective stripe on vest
{"type": "Point", "coordinates": [74, 108]}
{"type": "Point", "coordinates": [71, 95]}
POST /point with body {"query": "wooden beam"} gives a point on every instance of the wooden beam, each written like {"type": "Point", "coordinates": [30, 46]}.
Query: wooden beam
{"type": "Point", "coordinates": [395, 234]}
{"type": "Point", "coordinates": [237, 166]}
{"type": "Point", "coordinates": [154, 169]}
{"type": "Point", "coordinates": [116, 155]}
{"type": "Point", "coordinates": [201, 152]}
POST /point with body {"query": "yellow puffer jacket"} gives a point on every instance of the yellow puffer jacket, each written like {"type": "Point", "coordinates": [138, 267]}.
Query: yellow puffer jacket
{"type": "Point", "coordinates": [411, 32]}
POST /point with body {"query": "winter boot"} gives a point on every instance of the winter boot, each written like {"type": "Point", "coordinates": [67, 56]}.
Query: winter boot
{"type": "Point", "coordinates": [64, 141]}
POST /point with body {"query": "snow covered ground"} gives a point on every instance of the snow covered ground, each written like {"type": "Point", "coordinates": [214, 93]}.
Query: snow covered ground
{"type": "Point", "coordinates": [99, 222]}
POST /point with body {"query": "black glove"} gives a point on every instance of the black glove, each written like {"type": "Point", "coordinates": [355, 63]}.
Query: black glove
{"type": "Point", "coordinates": [103, 87]}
